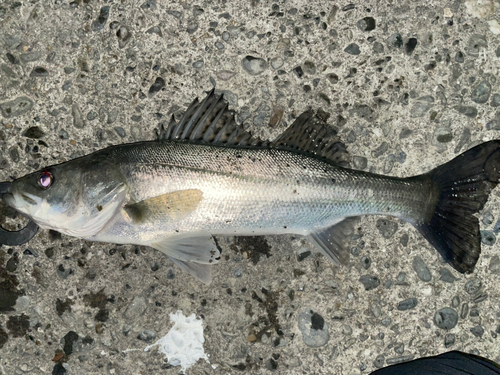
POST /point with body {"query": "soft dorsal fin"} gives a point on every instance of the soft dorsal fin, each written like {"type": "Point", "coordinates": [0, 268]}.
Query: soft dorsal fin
{"type": "Point", "coordinates": [211, 122]}
{"type": "Point", "coordinates": [311, 135]}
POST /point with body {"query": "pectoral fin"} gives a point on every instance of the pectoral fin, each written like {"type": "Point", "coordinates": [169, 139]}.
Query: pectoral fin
{"type": "Point", "coordinates": [202, 272]}
{"type": "Point", "coordinates": [194, 254]}
{"type": "Point", "coordinates": [333, 242]}
{"type": "Point", "coordinates": [173, 206]}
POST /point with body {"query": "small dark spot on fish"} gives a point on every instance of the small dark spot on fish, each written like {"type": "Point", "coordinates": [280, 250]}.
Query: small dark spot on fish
{"type": "Point", "coordinates": [99, 207]}
{"type": "Point", "coordinates": [334, 181]}
{"type": "Point", "coordinates": [239, 156]}
{"type": "Point", "coordinates": [177, 231]}
{"type": "Point", "coordinates": [284, 227]}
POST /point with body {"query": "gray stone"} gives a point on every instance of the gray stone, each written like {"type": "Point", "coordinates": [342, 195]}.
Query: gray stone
{"type": "Point", "coordinates": [477, 43]}
{"type": "Point", "coordinates": [407, 304]}
{"type": "Point", "coordinates": [446, 318]}
{"type": "Point", "coordinates": [443, 135]}
{"type": "Point", "coordinates": [464, 310]}
{"type": "Point", "coordinates": [380, 150]}
{"type": "Point", "coordinates": [366, 24]}
{"type": "Point", "coordinates": [378, 48]}
{"type": "Point", "coordinates": [488, 237]}
{"type": "Point", "coordinates": [359, 162]}
{"type": "Point", "coordinates": [192, 27]}
{"type": "Point", "coordinates": [16, 107]}
{"type": "Point", "coordinates": [366, 262]}
{"type": "Point", "coordinates": [459, 57]}
{"type": "Point", "coordinates": [494, 266]}
{"type": "Point", "coordinates": [473, 286]}
{"type": "Point", "coordinates": [446, 276]}
{"type": "Point", "coordinates": [405, 133]}
{"type": "Point", "coordinates": [399, 348]}
{"type": "Point", "coordinates": [314, 329]}
{"type": "Point", "coordinates": [78, 121]}
{"type": "Point", "coordinates": [395, 40]}
{"type": "Point", "coordinates": [455, 302]}
{"type": "Point", "coordinates": [449, 340]}
{"type": "Point", "coordinates": [421, 106]}
{"type": "Point", "coordinates": [379, 361]}
{"type": "Point", "coordinates": [277, 62]}
{"type": "Point", "coordinates": [387, 227]}
{"type": "Point", "coordinates": [309, 67]}
{"type": "Point", "coordinates": [421, 269]}
{"type": "Point", "coordinates": [352, 49]}
{"type": "Point", "coordinates": [30, 56]}
{"type": "Point", "coordinates": [386, 322]}
{"type": "Point", "coordinates": [226, 36]}
{"type": "Point", "coordinates": [495, 100]}
{"type": "Point", "coordinates": [369, 282]}
{"type": "Point", "coordinates": [219, 45]}
{"type": "Point", "coordinates": [254, 65]}
{"type": "Point", "coordinates": [477, 331]}
{"type": "Point", "coordinates": [136, 308]}
{"type": "Point", "coordinates": [198, 64]}
{"type": "Point", "coordinates": [99, 23]}
{"type": "Point", "coordinates": [147, 336]}
{"type": "Point", "coordinates": [481, 93]}
{"type": "Point", "coordinates": [463, 140]}
{"type": "Point", "coordinates": [466, 110]}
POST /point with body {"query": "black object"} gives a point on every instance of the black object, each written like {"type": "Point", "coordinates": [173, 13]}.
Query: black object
{"type": "Point", "coordinates": [15, 238]}
{"type": "Point", "coordinates": [451, 363]}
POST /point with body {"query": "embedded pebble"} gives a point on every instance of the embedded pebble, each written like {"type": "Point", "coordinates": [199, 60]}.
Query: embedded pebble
{"type": "Point", "coordinates": [147, 336]}
{"type": "Point", "coordinates": [198, 64]}
{"type": "Point", "coordinates": [386, 322]}
{"type": "Point", "coordinates": [395, 40]}
{"type": "Point", "coordinates": [16, 107]}
{"type": "Point", "coordinates": [366, 262]}
{"type": "Point", "coordinates": [422, 106]}
{"type": "Point", "coordinates": [477, 43]}
{"type": "Point", "coordinates": [494, 266]}
{"type": "Point", "coordinates": [352, 49]}
{"type": "Point", "coordinates": [387, 227]}
{"type": "Point", "coordinates": [446, 318]}
{"type": "Point", "coordinates": [410, 45]}
{"type": "Point", "coordinates": [101, 20]}
{"type": "Point", "coordinates": [277, 62]}
{"type": "Point", "coordinates": [254, 65]}
{"type": "Point", "coordinates": [78, 121]}
{"type": "Point", "coordinates": [369, 282]}
{"type": "Point", "coordinates": [359, 162]}
{"type": "Point", "coordinates": [380, 150]}
{"type": "Point", "coordinates": [366, 24]}
{"type": "Point", "coordinates": [136, 307]}
{"type": "Point", "coordinates": [455, 302]}
{"type": "Point", "coordinates": [407, 304]}
{"type": "Point", "coordinates": [488, 237]}
{"type": "Point", "coordinates": [446, 276]}
{"type": "Point", "coordinates": [464, 310]}
{"type": "Point", "coordinates": [466, 110]}
{"type": "Point", "coordinates": [314, 329]}
{"type": "Point", "coordinates": [379, 361]}
{"type": "Point", "coordinates": [495, 100]}
{"type": "Point", "coordinates": [443, 135]}
{"type": "Point", "coordinates": [402, 359]}
{"type": "Point", "coordinates": [477, 331]}
{"type": "Point", "coordinates": [481, 93]}
{"type": "Point", "coordinates": [449, 340]}
{"type": "Point", "coordinates": [473, 286]}
{"type": "Point", "coordinates": [421, 269]}
{"type": "Point", "coordinates": [158, 84]}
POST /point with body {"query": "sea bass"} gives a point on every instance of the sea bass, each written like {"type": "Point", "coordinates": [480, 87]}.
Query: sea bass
{"type": "Point", "coordinates": [207, 176]}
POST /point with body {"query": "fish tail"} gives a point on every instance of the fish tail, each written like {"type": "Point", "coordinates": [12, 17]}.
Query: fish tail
{"type": "Point", "coordinates": [463, 186]}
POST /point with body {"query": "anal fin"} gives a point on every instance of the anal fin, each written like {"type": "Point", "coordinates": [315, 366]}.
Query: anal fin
{"type": "Point", "coordinates": [333, 242]}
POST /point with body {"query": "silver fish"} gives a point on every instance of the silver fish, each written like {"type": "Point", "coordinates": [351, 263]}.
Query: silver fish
{"type": "Point", "coordinates": [207, 176]}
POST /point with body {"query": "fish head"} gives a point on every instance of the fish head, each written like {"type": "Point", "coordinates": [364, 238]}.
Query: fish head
{"type": "Point", "coordinates": [76, 198]}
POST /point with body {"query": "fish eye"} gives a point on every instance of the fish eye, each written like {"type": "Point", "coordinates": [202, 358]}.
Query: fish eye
{"type": "Point", "coordinates": [45, 179]}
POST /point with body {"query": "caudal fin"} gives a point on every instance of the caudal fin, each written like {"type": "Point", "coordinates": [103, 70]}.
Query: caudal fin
{"type": "Point", "coordinates": [464, 184]}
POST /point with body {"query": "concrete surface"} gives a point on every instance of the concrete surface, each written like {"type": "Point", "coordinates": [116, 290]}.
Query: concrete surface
{"type": "Point", "coordinates": [408, 89]}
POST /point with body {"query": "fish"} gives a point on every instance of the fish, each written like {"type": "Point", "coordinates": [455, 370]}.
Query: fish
{"type": "Point", "coordinates": [450, 363]}
{"type": "Point", "coordinates": [207, 176]}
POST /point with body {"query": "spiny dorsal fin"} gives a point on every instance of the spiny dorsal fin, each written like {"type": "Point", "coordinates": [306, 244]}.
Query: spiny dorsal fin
{"type": "Point", "coordinates": [311, 135]}
{"type": "Point", "coordinates": [211, 122]}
